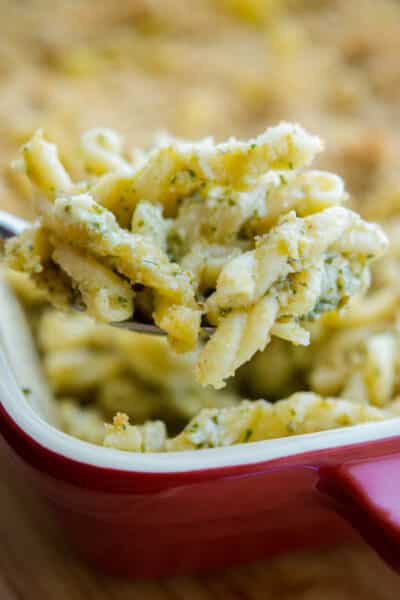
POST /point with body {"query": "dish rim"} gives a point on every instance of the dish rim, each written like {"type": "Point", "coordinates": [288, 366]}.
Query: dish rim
{"type": "Point", "coordinates": [46, 435]}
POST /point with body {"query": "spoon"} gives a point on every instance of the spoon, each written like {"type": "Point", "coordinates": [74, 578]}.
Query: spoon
{"type": "Point", "coordinates": [10, 226]}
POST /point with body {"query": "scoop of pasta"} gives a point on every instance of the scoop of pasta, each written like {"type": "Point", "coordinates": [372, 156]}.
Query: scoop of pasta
{"type": "Point", "coordinates": [242, 235]}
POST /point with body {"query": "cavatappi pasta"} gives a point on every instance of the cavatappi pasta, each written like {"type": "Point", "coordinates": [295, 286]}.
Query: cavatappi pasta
{"type": "Point", "coordinates": [244, 236]}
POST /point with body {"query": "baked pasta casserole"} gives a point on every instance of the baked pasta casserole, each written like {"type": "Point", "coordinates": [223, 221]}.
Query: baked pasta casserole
{"type": "Point", "coordinates": [258, 240]}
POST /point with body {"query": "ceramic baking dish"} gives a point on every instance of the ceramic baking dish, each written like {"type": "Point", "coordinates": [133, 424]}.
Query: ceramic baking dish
{"type": "Point", "coordinates": [161, 514]}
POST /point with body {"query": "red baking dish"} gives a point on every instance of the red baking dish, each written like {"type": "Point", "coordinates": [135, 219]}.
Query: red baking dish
{"type": "Point", "coordinates": [162, 514]}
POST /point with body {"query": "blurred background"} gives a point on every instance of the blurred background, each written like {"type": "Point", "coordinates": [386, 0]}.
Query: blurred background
{"type": "Point", "coordinates": [201, 67]}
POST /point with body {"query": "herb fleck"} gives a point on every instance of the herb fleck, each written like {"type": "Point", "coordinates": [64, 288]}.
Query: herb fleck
{"type": "Point", "coordinates": [147, 261]}
{"type": "Point", "coordinates": [247, 435]}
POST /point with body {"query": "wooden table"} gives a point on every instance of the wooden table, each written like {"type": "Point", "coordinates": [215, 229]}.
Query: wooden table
{"type": "Point", "coordinates": [36, 564]}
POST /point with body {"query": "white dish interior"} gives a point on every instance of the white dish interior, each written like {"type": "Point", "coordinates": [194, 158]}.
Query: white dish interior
{"type": "Point", "coordinates": [20, 368]}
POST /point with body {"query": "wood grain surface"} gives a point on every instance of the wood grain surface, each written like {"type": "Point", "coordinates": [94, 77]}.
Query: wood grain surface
{"type": "Point", "coordinates": [35, 563]}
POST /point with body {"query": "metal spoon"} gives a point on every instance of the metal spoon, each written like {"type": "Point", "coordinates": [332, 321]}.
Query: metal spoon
{"type": "Point", "coordinates": [11, 226]}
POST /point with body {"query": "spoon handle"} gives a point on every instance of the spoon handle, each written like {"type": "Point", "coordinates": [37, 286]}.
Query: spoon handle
{"type": "Point", "coordinates": [11, 225]}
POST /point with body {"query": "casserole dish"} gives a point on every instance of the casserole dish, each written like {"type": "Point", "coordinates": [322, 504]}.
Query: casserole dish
{"type": "Point", "coordinates": [163, 514]}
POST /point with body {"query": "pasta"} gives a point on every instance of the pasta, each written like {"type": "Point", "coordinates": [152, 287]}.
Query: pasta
{"type": "Point", "coordinates": [351, 371]}
{"type": "Point", "coordinates": [249, 422]}
{"type": "Point", "coordinates": [301, 413]}
{"type": "Point", "coordinates": [110, 370]}
{"type": "Point", "coordinates": [242, 235]}
{"type": "Point", "coordinates": [147, 70]}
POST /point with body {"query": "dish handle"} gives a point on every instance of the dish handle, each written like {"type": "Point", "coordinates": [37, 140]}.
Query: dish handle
{"type": "Point", "coordinates": [367, 495]}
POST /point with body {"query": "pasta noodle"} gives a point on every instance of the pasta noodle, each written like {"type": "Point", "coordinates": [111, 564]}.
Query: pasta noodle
{"type": "Point", "coordinates": [239, 234]}
{"type": "Point", "coordinates": [353, 373]}
{"type": "Point", "coordinates": [250, 422]}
